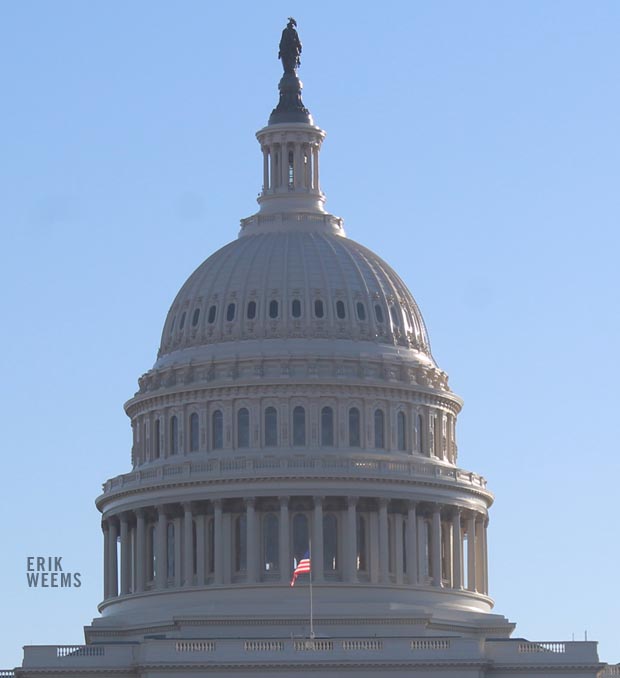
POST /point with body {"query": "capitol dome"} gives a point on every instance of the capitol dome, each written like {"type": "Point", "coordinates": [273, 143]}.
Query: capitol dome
{"type": "Point", "coordinates": [301, 282]}
{"type": "Point", "coordinates": [294, 406]}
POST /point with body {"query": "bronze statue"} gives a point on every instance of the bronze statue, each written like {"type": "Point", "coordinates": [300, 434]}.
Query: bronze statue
{"type": "Point", "coordinates": [290, 47]}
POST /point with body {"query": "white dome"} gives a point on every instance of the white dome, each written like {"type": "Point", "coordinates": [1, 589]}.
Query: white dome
{"type": "Point", "coordinates": [304, 284]}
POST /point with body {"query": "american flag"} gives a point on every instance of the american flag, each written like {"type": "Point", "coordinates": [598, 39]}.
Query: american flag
{"type": "Point", "coordinates": [303, 567]}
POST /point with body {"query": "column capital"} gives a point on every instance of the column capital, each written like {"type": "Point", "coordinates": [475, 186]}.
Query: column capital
{"type": "Point", "coordinates": [186, 506]}
{"type": "Point", "coordinates": [318, 499]}
{"type": "Point", "coordinates": [412, 504]}
{"type": "Point", "coordinates": [284, 500]}
{"type": "Point", "coordinates": [250, 502]}
{"type": "Point", "coordinates": [383, 502]}
{"type": "Point", "coordinates": [217, 503]}
{"type": "Point", "coordinates": [140, 512]}
{"type": "Point", "coordinates": [352, 501]}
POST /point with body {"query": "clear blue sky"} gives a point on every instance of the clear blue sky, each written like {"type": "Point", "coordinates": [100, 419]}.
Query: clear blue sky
{"type": "Point", "coordinates": [474, 145]}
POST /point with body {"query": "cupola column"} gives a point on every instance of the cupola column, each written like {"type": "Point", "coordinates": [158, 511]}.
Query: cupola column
{"type": "Point", "coordinates": [161, 564]}
{"type": "Point", "coordinates": [188, 545]}
{"type": "Point", "coordinates": [218, 546]}
{"type": "Point", "coordinates": [485, 556]}
{"type": "Point", "coordinates": [113, 558]}
{"type": "Point", "coordinates": [125, 555]}
{"type": "Point", "coordinates": [384, 556]}
{"type": "Point", "coordinates": [317, 540]}
{"type": "Point", "coordinates": [251, 533]}
{"type": "Point", "coordinates": [436, 546]}
{"type": "Point", "coordinates": [471, 552]}
{"type": "Point", "coordinates": [351, 540]}
{"type": "Point", "coordinates": [480, 553]}
{"type": "Point", "coordinates": [457, 550]}
{"type": "Point", "coordinates": [285, 555]}
{"type": "Point", "coordinates": [412, 540]}
{"type": "Point", "coordinates": [140, 550]}
{"type": "Point", "coordinates": [105, 527]}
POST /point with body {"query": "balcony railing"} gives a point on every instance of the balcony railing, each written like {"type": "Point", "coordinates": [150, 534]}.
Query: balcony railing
{"type": "Point", "coordinates": [286, 649]}
{"type": "Point", "coordinates": [266, 466]}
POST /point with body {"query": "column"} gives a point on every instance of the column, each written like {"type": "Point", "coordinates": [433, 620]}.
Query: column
{"type": "Point", "coordinates": [480, 553]}
{"type": "Point", "coordinates": [284, 545]}
{"type": "Point", "coordinates": [315, 167]}
{"type": "Point", "coordinates": [317, 540]}
{"type": "Point", "coordinates": [265, 169]}
{"type": "Point", "coordinates": [161, 552]}
{"type": "Point", "coordinates": [140, 550]}
{"type": "Point", "coordinates": [188, 545]}
{"type": "Point", "coordinates": [448, 551]}
{"type": "Point", "coordinates": [412, 540]}
{"type": "Point", "coordinates": [218, 560]}
{"type": "Point", "coordinates": [422, 549]}
{"type": "Point", "coordinates": [200, 550]}
{"type": "Point", "coordinates": [125, 556]}
{"type": "Point", "coordinates": [384, 557]}
{"type": "Point", "coordinates": [457, 550]}
{"type": "Point", "coordinates": [113, 558]}
{"type": "Point", "coordinates": [105, 528]}
{"type": "Point", "coordinates": [485, 556]}
{"type": "Point", "coordinates": [436, 546]}
{"type": "Point", "coordinates": [471, 552]}
{"type": "Point", "coordinates": [251, 533]}
{"type": "Point", "coordinates": [398, 547]}
{"type": "Point", "coordinates": [351, 543]}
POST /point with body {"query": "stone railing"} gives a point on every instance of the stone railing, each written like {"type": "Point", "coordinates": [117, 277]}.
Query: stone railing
{"type": "Point", "coordinates": [285, 649]}
{"type": "Point", "coordinates": [9, 673]}
{"type": "Point", "coordinates": [610, 671]}
{"type": "Point", "coordinates": [267, 466]}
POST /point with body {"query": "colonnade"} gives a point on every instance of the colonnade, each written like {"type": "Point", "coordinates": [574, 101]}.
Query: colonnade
{"type": "Point", "coordinates": [354, 540]}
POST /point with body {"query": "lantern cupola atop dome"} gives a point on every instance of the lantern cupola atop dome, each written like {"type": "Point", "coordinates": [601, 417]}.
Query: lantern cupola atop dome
{"type": "Point", "coordinates": [291, 196]}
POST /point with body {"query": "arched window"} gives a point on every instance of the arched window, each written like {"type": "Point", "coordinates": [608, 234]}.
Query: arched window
{"type": "Point", "coordinates": [217, 430]}
{"type": "Point", "coordinates": [300, 536]}
{"type": "Point", "coordinates": [251, 311]}
{"type": "Point", "coordinates": [230, 312]}
{"type": "Point", "coordinates": [379, 430]}
{"type": "Point", "coordinates": [299, 427]}
{"type": "Point", "coordinates": [271, 427]}
{"type": "Point", "coordinates": [194, 431]}
{"type": "Point", "coordinates": [157, 441]}
{"type": "Point", "coordinates": [362, 544]}
{"type": "Point", "coordinates": [354, 427]}
{"type": "Point", "coordinates": [378, 313]}
{"type": "Point", "coordinates": [421, 437]}
{"type": "Point", "coordinates": [340, 310]}
{"type": "Point", "coordinates": [330, 543]}
{"type": "Point", "coordinates": [401, 431]}
{"type": "Point", "coordinates": [271, 543]}
{"type": "Point", "coordinates": [361, 311]}
{"type": "Point", "coordinates": [319, 311]}
{"type": "Point", "coordinates": [174, 435]}
{"type": "Point", "coordinates": [291, 169]}
{"type": "Point", "coordinates": [211, 316]}
{"type": "Point", "coordinates": [240, 543]}
{"type": "Point", "coordinates": [296, 308]}
{"type": "Point", "coordinates": [170, 551]}
{"type": "Point", "coordinates": [195, 317]}
{"type": "Point", "coordinates": [273, 309]}
{"type": "Point", "coordinates": [243, 428]}
{"type": "Point", "coordinates": [327, 427]}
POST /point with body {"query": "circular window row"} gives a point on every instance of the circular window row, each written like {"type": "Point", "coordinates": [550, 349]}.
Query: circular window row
{"type": "Point", "coordinates": [296, 311]}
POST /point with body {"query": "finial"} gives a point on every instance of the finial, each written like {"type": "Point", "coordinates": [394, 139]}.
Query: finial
{"type": "Point", "coordinates": [290, 108]}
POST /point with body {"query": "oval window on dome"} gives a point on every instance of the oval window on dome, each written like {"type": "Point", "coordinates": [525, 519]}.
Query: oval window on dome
{"type": "Point", "coordinates": [378, 313]}
{"type": "Point", "coordinates": [340, 310]}
{"type": "Point", "coordinates": [182, 323]}
{"type": "Point", "coordinates": [361, 311]}
{"type": "Point", "coordinates": [319, 311]}
{"type": "Point", "coordinates": [296, 308]}
{"type": "Point", "coordinates": [172, 324]}
{"type": "Point", "coordinates": [273, 309]}
{"type": "Point", "coordinates": [251, 312]}
{"type": "Point", "coordinates": [211, 316]}
{"type": "Point", "coordinates": [230, 312]}
{"type": "Point", "coordinates": [195, 317]}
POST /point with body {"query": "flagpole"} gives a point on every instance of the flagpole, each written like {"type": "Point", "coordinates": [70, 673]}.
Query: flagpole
{"type": "Point", "coordinates": [310, 573]}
